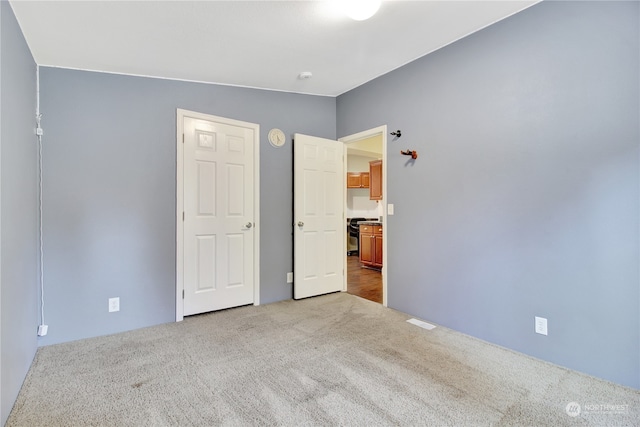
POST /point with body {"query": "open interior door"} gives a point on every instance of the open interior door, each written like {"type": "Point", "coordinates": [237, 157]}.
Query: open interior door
{"type": "Point", "coordinates": [319, 225]}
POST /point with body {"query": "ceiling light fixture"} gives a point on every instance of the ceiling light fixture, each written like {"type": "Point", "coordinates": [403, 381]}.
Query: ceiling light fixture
{"type": "Point", "coordinates": [359, 10]}
{"type": "Point", "coordinates": [305, 75]}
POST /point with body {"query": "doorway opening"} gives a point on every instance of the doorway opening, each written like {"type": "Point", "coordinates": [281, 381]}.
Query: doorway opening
{"type": "Point", "coordinates": [365, 197]}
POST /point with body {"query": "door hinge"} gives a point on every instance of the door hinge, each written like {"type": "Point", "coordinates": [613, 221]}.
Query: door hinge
{"type": "Point", "coordinates": [183, 215]}
{"type": "Point", "coordinates": [183, 294]}
{"type": "Point", "coordinates": [183, 138]}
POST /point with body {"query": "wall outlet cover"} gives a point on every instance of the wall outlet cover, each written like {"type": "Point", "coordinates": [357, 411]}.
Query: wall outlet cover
{"type": "Point", "coordinates": [541, 326]}
{"type": "Point", "coordinates": [42, 330]}
{"type": "Point", "coordinates": [290, 277]}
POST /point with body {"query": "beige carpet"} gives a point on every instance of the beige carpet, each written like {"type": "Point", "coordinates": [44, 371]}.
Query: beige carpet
{"type": "Point", "coordinates": [330, 360]}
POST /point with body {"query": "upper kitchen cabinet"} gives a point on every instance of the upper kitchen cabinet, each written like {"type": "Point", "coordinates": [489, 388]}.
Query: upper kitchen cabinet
{"type": "Point", "coordinates": [375, 183]}
{"type": "Point", "coordinates": [360, 155]}
{"type": "Point", "coordinates": [357, 179]}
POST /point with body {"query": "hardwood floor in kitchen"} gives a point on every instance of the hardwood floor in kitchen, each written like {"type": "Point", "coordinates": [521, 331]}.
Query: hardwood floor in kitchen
{"type": "Point", "coordinates": [363, 282]}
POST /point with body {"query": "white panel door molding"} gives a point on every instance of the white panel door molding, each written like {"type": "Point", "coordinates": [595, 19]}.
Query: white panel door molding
{"type": "Point", "coordinates": [319, 225]}
{"type": "Point", "coordinates": [217, 214]}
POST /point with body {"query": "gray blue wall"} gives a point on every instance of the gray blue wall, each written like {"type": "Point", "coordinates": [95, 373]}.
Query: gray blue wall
{"type": "Point", "coordinates": [523, 201]}
{"type": "Point", "coordinates": [110, 192]}
{"type": "Point", "coordinates": [18, 210]}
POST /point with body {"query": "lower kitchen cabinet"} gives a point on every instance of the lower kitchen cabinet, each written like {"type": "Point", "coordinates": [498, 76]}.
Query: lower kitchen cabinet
{"type": "Point", "coordinates": [371, 245]}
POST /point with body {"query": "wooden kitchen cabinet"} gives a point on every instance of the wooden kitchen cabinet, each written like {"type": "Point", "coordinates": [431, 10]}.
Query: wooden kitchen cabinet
{"type": "Point", "coordinates": [377, 252]}
{"type": "Point", "coordinates": [375, 183]}
{"type": "Point", "coordinates": [357, 179]}
{"type": "Point", "coordinates": [365, 179]}
{"type": "Point", "coordinates": [371, 245]}
{"type": "Point", "coordinates": [366, 248]}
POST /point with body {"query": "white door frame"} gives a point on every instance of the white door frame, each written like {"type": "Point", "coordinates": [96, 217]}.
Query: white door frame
{"type": "Point", "coordinates": [382, 131]}
{"type": "Point", "coordinates": [181, 114]}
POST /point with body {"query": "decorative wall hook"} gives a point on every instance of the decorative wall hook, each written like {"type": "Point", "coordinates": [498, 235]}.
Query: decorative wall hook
{"type": "Point", "coordinates": [412, 153]}
{"type": "Point", "coordinates": [397, 133]}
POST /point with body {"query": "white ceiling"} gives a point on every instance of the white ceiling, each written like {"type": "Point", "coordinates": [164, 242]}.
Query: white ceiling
{"type": "Point", "coordinates": [262, 44]}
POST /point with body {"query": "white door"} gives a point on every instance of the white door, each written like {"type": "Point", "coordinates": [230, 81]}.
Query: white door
{"type": "Point", "coordinates": [219, 214]}
{"type": "Point", "coordinates": [319, 224]}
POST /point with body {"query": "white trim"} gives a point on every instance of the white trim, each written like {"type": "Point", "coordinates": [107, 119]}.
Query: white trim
{"type": "Point", "coordinates": [2, 415]}
{"type": "Point", "coordinates": [180, 115]}
{"type": "Point", "coordinates": [345, 237]}
{"type": "Point", "coordinates": [175, 79]}
{"type": "Point", "coordinates": [380, 130]}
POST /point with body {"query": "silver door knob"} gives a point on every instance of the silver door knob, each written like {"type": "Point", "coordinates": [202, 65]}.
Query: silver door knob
{"type": "Point", "coordinates": [300, 224]}
{"type": "Point", "coordinates": [248, 225]}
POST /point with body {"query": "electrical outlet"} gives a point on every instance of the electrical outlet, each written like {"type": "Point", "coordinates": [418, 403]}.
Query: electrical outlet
{"type": "Point", "coordinates": [290, 277]}
{"type": "Point", "coordinates": [42, 330]}
{"type": "Point", "coordinates": [390, 209]}
{"type": "Point", "coordinates": [114, 304]}
{"type": "Point", "coordinates": [541, 325]}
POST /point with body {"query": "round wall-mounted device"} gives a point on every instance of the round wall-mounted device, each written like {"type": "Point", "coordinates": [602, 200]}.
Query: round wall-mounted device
{"type": "Point", "coordinates": [277, 137]}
